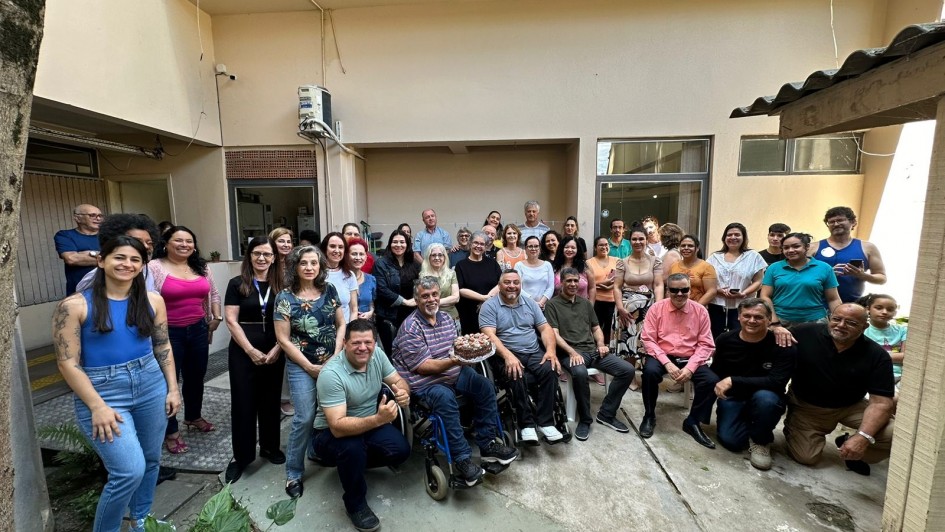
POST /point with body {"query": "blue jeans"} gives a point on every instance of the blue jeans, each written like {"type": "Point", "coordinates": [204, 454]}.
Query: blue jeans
{"type": "Point", "coordinates": [191, 352]}
{"type": "Point", "coordinates": [441, 399]}
{"type": "Point", "coordinates": [137, 391]}
{"type": "Point", "coordinates": [378, 447]}
{"type": "Point", "coordinates": [302, 390]}
{"type": "Point", "coordinates": [755, 418]}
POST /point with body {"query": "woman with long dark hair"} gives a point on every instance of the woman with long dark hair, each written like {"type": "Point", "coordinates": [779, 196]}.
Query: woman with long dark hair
{"type": "Point", "coordinates": [703, 281]}
{"type": "Point", "coordinates": [549, 245]}
{"type": "Point", "coordinates": [335, 248]}
{"type": "Point", "coordinates": [113, 351]}
{"type": "Point", "coordinates": [569, 256]}
{"type": "Point", "coordinates": [308, 321]}
{"type": "Point", "coordinates": [183, 279]}
{"type": "Point", "coordinates": [603, 270]}
{"type": "Point", "coordinates": [395, 273]}
{"type": "Point", "coordinates": [571, 229]}
{"type": "Point", "coordinates": [255, 359]}
{"type": "Point", "coordinates": [799, 288]}
{"type": "Point", "coordinates": [739, 270]}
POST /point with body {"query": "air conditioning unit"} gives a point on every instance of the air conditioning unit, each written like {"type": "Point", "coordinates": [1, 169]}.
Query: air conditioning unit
{"type": "Point", "coordinates": [314, 108]}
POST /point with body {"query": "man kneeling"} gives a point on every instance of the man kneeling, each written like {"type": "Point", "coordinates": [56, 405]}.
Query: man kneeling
{"type": "Point", "coordinates": [754, 370]}
{"type": "Point", "coordinates": [352, 429]}
{"type": "Point", "coordinates": [579, 337]}
{"type": "Point", "coordinates": [421, 356]}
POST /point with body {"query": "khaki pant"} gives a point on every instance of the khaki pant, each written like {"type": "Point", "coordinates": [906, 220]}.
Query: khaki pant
{"type": "Point", "coordinates": [807, 426]}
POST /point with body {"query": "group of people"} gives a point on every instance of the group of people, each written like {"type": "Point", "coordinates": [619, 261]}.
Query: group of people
{"type": "Point", "coordinates": [354, 335]}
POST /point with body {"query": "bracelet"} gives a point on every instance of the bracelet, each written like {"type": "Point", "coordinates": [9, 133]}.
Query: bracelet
{"type": "Point", "coordinates": [869, 438]}
{"type": "Point", "coordinates": [215, 318]}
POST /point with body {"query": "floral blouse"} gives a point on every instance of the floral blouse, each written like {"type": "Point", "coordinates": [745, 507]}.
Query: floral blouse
{"type": "Point", "coordinates": [312, 322]}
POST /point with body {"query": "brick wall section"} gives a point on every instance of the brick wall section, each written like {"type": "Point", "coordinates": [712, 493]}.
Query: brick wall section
{"type": "Point", "coordinates": [271, 164]}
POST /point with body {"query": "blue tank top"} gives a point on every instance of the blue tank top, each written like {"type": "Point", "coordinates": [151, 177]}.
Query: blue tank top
{"type": "Point", "coordinates": [850, 288]}
{"type": "Point", "coordinates": [119, 346]}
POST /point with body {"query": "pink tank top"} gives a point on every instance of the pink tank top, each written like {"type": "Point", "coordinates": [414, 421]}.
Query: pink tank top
{"type": "Point", "coordinates": [185, 300]}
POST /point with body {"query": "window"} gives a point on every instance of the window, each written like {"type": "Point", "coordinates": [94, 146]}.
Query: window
{"type": "Point", "coordinates": [828, 154]}
{"type": "Point", "coordinates": [621, 157]}
{"type": "Point", "coordinates": [51, 158]}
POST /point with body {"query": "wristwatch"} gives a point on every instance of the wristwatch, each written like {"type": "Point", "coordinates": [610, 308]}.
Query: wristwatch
{"type": "Point", "coordinates": [93, 253]}
{"type": "Point", "coordinates": [869, 438]}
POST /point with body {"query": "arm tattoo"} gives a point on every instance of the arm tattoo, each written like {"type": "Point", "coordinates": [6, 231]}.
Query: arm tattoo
{"type": "Point", "coordinates": [60, 334]}
{"type": "Point", "coordinates": [161, 343]}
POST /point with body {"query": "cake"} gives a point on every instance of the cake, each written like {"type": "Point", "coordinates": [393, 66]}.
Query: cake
{"type": "Point", "coordinates": [472, 346]}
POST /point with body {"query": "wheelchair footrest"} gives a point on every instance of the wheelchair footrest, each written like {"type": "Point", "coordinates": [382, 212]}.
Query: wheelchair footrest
{"type": "Point", "coordinates": [494, 468]}
{"type": "Point", "coordinates": [457, 484]}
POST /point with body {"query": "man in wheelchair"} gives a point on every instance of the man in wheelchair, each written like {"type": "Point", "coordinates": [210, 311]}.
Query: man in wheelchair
{"type": "Point", "coordinates": [352, 429]}
{"type": "Point", "coordinates": [422, 357]}
{"type": "Point", "coordinates": [510, 321]}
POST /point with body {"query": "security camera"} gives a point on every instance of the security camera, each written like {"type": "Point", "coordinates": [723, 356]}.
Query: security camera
{"type": "Point", "coordinates": [232, 77]}
{"type": "Point", "coordinates": [221, 71]}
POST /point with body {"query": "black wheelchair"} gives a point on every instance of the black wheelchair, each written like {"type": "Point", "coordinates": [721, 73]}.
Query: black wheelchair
{"type": "Point", "coordinates": [507, 413]}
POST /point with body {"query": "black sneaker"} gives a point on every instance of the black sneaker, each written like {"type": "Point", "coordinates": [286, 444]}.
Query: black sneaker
{"type": "Point", "coordinates": [365, 520]}
{"type": "Point", "coordinates": [498, 452]}
{"type": "Point", "coordinates": [582, 431]}
{"type": "Point", "coordinates": [274, 456]}
{"type": "Point", "coordinates": [233, 472]}
{"type": "Point", "coordinates": [613, 423]}
{"type": "Point", "coordinates": [467, 472]}
{"type": "Point", "coordinates": [857, 466]}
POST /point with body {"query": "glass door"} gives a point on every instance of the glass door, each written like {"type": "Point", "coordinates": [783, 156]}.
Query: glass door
{"type": "Point", "coordinates": [679, 202]}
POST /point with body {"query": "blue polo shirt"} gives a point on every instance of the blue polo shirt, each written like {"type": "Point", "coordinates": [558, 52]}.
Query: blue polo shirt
{"type": "Point", "coordinates": [515, 325]}
{"type": "Point", "coordinates": [798, 295]}
{"type": "Point", "coordinates": [424, 238]}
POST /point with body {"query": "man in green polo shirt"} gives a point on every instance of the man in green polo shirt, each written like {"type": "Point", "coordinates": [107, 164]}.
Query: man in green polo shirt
{"type": "Point", "coordinates": [619, 246]}
{"type": "Point", "coordinates": [352, 428]}
{"type": "Point", "coordinates": [579, 339]}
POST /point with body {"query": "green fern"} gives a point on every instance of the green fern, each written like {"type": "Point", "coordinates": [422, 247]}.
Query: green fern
{"type": "Point", "coordinates": [68, 435]}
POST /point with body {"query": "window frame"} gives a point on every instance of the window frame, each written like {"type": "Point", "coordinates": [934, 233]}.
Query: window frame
{"type": "Point", "coordinates": [790, 153]}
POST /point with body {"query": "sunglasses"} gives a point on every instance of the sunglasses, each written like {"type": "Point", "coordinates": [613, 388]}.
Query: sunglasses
{"type": "Point", "coordinates": [678, 290]}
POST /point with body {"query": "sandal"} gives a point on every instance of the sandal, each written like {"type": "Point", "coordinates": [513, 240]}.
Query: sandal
{"type": "Point", "coordinates": [200, 424]}
{"type": "Point", "coordinates": [175, 445]}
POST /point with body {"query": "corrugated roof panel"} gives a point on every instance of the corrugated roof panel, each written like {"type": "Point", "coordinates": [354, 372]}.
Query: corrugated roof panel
{"type": "Point", "coordinates": [911, 39]}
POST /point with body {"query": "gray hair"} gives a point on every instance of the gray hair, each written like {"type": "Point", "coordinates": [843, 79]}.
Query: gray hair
{"type": "Point", "coordinates": [532, 203]}
{"type": "Point", "coordinates": [678, 277]}
{"type": "Point", "coordinates": [752, 302]}
{"type": "Point", "coordinates": [482, 235]}
{"type": "Point", "coordinates": [569, 271]}
{"type": "Point", "coordinates": [426, 282]}
{"type": "Point", "coordinates": [292, 281]}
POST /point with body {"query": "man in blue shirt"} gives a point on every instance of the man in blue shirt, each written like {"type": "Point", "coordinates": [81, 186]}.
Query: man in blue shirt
{"type": "Point", "coordinates": [429, 234]}
{"type": "Point", "coordinates": [533, 226]}
{"type": "Point", "coordinates": [856, 262]}
{"type": "Point", "coordinates": [510, 321]}
{"type": "Point", "coordinates": [78, 248]}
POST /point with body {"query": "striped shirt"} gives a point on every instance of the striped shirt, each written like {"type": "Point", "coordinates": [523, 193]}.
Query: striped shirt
{"type": "Point", "coordinates": [417, 341]}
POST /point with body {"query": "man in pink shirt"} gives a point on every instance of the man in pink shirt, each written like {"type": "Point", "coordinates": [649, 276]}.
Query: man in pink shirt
{"type": "Point", "coordinates": [678, 340]}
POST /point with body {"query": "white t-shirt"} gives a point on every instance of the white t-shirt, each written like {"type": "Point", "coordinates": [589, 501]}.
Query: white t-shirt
{"type": "Point", "coordinates": [537, 282]}
{"type": "Point", "coordinates": [736, 274]}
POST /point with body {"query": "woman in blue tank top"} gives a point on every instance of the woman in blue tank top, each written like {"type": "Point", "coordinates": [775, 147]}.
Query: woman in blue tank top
{"type": "Point", "coordinates": [113, 350]}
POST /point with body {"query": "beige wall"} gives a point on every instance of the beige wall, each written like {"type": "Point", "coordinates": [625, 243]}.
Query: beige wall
{"type": "Point", "coordinates": [136, 62]}
{"type": "Point", "coordinates": [505, 72]}
{"type": "Point", "coordinates": [463, 188]}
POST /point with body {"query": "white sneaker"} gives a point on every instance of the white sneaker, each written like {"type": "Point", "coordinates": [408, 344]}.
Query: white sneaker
{"type": "Point", "coordinates": [550, 433]}
{"type": "Point", "coordinates": [529, 435]}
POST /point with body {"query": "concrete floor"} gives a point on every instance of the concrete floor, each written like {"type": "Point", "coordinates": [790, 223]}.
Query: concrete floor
{"type": "Point", "coordinates": [610, 482]}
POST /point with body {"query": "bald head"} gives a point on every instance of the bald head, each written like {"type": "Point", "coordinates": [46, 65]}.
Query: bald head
{"type": "Point", "coordinates": [87, 218]}
{"type": "Point", "coordinates": [847, 323]}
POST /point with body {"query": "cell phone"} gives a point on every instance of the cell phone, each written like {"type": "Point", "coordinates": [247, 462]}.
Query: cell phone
{"type": "Point", "coordinates": [858, 263]}
{"type": "Point", "coordinates": [734, 290]}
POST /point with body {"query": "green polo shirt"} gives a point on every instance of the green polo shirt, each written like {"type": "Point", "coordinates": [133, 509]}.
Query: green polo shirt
{"type": "Point", "coordinates": [622, 250]}
{"type": "Point", "coordinates": [574, 320]}
{"type": "Point", "coordinates": [339, 383]}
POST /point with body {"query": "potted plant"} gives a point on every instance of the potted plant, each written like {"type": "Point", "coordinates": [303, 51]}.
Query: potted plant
{"type": "Point", "coordinates": [214, 256]}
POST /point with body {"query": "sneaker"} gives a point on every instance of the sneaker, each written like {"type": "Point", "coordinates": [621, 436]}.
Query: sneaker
{"type": "Point", "coordinates": [233, 472]}
{"type": "Point", "coordinates": [498, 452]}
{"type": "Point", "coordinates": [760, 455]}
{"type": "Point", "coordinates": [857, 466]}
{"type": "Point", "coordinates": [138, 526]}
{"type": "Point", "coordinates": [467, 472]}
{"type": "Point", "coordinates": [365, 520]}
{"type": "Point", "coordinates": [550, 433]}
{"type": "Point", "coordinates": [288, 409]}
{"type": "Point", "coordinates": [613, 423]}
{"type": "Point", "coordinates": [582, 431]}
{"type": "Point", "coordinates": [529, 436]}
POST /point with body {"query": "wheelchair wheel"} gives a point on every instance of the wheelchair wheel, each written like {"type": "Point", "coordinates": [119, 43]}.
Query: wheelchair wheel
{"type": "Point", "coordinates": [437, 486]}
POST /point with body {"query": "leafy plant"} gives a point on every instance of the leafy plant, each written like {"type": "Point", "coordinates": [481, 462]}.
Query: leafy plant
{"type": "Point", "coordinates": [85, 504]}
{"type": "Point", "coordinates": [223, 513]}
{"type": "Point", "coordinates": [214, 256]}
{"type": "Point", "coordinates": [81, 458]}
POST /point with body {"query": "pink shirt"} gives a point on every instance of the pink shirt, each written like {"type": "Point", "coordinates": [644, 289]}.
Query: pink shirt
{"type": "Point", "coordinates": [184, 300]}
{"type": "Point", "coordinates": [683, 333]}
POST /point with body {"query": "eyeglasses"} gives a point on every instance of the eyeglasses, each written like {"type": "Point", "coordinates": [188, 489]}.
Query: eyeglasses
{"type": "Point", "coordinates": [263, 254]}
{"type": "Point", "coordinates": [479, 244]}
{"type": "Point", "coordinates": [436, 255]}
{"type": "Point", "coordinates": [837, 320]}
{"type": "Point", "coordinates": [837, 221]}
{"type": "Point", "coordinates": [95, 215]}
{"type": "Point", "coordinates": [678, 290]}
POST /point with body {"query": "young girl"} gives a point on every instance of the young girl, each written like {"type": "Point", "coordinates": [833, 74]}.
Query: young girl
{"type": "Point", "coordinates": [884, 331]}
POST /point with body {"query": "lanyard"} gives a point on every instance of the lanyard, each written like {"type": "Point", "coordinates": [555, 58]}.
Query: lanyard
{"type": "Point", "coordinates": [263, 299]}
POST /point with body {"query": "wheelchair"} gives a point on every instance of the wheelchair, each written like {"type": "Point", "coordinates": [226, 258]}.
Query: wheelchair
{"type": "Point", "coordinates": [430, 430]}
{"type": "Point", "coordinates": [506, 405]}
